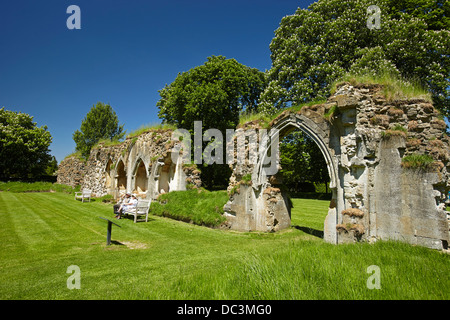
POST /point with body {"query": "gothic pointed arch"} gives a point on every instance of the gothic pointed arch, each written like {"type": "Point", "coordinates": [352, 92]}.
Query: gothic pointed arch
{"type": "Point", "coordinates": [140, 174]}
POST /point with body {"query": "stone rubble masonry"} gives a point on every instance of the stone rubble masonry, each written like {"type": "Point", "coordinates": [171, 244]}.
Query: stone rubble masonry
{"type": "Point", "coordinates": [140, 165]}
{"type": "Point", "coordinates": [72, 172]}
{"type": "Point", "coordinates": [363, 137]}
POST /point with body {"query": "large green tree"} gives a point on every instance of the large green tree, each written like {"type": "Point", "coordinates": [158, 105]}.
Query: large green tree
{"type": "Point", "coordinates": [215, 93]}
{"type": "Point", "coordinates": [436, 13]}
{"type": "Point", "coordinates": [101, 122]}
{"type": "Point", "coordinates": [316, 46]}
{"type": "Point", "coordinates": [24, 146]}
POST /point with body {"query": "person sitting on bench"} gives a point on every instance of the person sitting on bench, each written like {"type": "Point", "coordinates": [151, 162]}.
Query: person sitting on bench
{"type": "Point", "coordinates": [124, 199]}
{"type": "Point", "coordinates": [126, 206]}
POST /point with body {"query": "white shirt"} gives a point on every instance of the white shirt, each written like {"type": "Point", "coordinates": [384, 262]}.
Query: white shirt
{"type": "Point", "coordinates": [133, 202]}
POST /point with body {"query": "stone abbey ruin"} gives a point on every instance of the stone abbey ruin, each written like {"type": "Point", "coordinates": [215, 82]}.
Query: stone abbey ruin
{"type": "Point", "coordinates": [374, 149]}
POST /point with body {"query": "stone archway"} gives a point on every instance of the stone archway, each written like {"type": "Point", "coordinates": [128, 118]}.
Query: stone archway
{"type": "Point", "coordinates": [319, 131]}
{"type": "Point", "coordinates": [109, 176]}
{"type": "Point", "coordinates": [166, 174]}
{"type": "Point", "coordinates": [368, 142]}
{"type": "Point", "coordinates": [121, 177]}
{"type": "Point", "coordinates": [169, 174]}
{"type": "Point", "coordinates": [140, 178]}
{"type": "Point", "coordinates": [266, 206]}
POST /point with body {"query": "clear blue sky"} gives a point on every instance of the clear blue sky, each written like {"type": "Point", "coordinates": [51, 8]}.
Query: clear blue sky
{"type": "Point", "coordinates": [124, 53]}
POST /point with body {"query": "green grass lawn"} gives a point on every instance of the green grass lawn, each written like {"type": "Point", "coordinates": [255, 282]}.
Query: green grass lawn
{"type": "Point", "coordinates": [42, 234]}
{"type": "Point", "coordinates": [201, 207]}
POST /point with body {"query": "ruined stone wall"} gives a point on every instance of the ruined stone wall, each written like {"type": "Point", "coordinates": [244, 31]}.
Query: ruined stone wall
{"type": "Point", "coordinates": [141, 165]}
{"type": "Point", "coordinates": [72, 171]}
{"type": "Point", "coordinates": [364, 138]}
{"type": "Point", "coordinates": [397, 200]}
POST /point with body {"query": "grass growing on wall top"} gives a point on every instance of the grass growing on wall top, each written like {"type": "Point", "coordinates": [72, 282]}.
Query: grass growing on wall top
{"type": "Point", "coordinates": [76, 154]}
{"type": "Point", "coordinates": [419, 161]}
{"type": "Point", "coordinates": [393, 88]}
{"type": "Point", "coordinates": [150, 127]}
{"type": "Point", "coordinates": [107, 143]}
{"type": "Point", "coordinates": [266, 119]}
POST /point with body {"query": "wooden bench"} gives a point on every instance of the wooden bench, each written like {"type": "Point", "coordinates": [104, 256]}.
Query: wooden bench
{"type": "Point", "coordinates": [142, 208]}
{"type": "Point", "coordinates": [85, 194]}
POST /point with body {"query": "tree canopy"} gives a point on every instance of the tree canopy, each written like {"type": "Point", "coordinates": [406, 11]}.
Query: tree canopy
{"type": "Point", "coordinates": [101, 122]}
{"type": "Point", "coordinates": [436, 13]}
{"type": "Point", "coordinates": [316, 46]}
{"type": "Point", "coordinates": [24, 146]}
{"type": "Point", "coordinates": [214, 93]}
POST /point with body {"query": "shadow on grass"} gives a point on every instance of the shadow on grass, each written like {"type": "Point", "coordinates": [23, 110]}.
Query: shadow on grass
{"type": "Point", "coordinates": [94, 200]}
{"type": "Point", "coordinates": [127, 244]}
{"type": "Point", "coordinates": [117, 243]}
{"type": "Point", "coordinates": [311, 231]}
{"type": "Point", "coordinates": [130, 217]}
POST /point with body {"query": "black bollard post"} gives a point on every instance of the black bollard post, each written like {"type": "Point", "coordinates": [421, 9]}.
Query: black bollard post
{"type": "Point", "coordinates": [108, 236]}
{"type": "Point", "coordinates": [109, 228]}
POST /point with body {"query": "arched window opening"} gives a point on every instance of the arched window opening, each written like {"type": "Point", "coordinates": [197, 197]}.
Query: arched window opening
{"type": "Point", "coordinates": [166, 175]}
{"type": "Point", "coordinates": [108, 175]}
{"type": "Point", "coordinates": [141, 179]}
{"type": "Point", "coordinates": [121, 177]}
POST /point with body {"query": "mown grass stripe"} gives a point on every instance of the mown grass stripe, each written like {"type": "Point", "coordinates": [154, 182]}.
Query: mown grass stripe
{"type": "Point", "coordinates": [11, 241]}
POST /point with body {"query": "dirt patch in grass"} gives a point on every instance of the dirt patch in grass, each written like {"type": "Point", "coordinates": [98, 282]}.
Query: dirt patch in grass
{"type": "Point", "coordinates": [135, 245]}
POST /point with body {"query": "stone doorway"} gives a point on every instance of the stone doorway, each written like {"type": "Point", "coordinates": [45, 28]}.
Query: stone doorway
{"type": "Point", "coordinates": [167, 172]}
{"type": "Point", "coordinates": [109, 176]}
{"type": "Point", "coordinates": [262, 204]}
{"type": "Point", "coordinates": [304, 177]}
{"type": "Point", "coordinates": [121, 177]}
{"type": "Point", "coordinates": [141, 178]}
